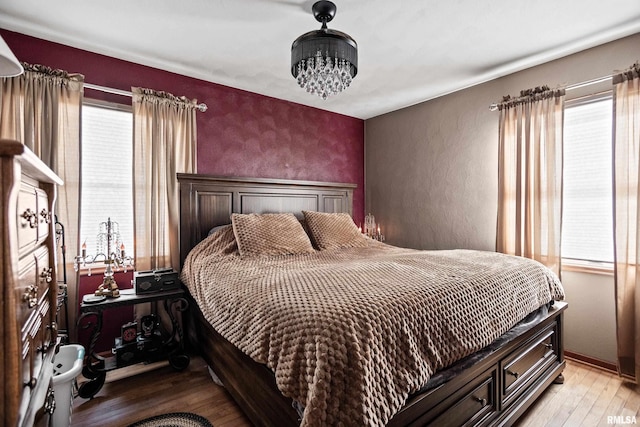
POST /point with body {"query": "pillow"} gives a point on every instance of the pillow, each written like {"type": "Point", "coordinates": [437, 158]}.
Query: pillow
{"type": "Point", "coordinates": [333, 230]}
{"type": "Point", "coordinates": [270, 234]}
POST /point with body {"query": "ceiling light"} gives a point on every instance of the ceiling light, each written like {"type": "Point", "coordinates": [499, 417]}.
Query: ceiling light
{"type": "Point", "coordinates": [324, 61]}
{"type": "Point", "coordinates": [9, 64]}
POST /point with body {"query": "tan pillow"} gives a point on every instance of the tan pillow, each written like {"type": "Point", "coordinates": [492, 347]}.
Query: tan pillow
{"type": "Point", "coordinates": [270, 234]}
{"type": "Point", "coordinates": [333, 230]}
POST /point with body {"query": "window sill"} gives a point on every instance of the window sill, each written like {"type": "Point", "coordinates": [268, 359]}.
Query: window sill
{"type": "Point", "coordinates": [590, 267]}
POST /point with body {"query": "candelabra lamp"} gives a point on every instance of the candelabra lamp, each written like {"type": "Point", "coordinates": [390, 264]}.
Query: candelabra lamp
{"type": "Point", "coordinates": [110, 251]}
{"type": "Point", "coordinates": [371, 229]}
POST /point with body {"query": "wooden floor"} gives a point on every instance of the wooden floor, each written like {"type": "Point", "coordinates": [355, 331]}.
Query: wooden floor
{"type": "Point", "coordinates": [588, 396]}
{"type": "Point", "coordinates": [127, 400]}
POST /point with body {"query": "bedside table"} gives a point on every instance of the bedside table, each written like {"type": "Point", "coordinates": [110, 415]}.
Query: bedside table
{"type": "Point", "coordinates": [172, 348]}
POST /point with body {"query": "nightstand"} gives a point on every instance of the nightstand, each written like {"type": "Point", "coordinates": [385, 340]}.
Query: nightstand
{"type": "Point", "coordinates": [170, 347]}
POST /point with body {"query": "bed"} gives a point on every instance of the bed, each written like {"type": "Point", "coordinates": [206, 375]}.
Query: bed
{"type": "Point", "coordinates": [492, 385]}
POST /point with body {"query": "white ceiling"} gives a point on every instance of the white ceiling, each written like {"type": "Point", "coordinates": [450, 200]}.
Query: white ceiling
{"type": "Point", "coordinates": [409, 50]}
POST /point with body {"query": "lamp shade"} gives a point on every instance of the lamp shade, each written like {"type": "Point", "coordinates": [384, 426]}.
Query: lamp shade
{"type": "Point", "coordinates": [332, 43]}
{"type": "Point", "coordinates": [324, 62]}
{"type": "Point", "coordinates": [9, 64]}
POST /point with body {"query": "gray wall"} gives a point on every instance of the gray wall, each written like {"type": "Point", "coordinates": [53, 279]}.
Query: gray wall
{"type": "Point", "coordinates": [431, 175]}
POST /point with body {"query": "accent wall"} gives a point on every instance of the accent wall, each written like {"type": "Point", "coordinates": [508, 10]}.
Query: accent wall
{"type": "Point", "coordinates": [242, 134]}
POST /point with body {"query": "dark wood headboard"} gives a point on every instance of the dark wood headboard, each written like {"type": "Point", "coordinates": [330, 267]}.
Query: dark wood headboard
{"type": "Point", "coordinates": [208, 201]}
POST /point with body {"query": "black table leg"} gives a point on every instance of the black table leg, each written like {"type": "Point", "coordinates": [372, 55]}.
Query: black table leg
{"type": "Point", "coordinates": [93, 371]}
{"type": "Point", "coordinates": [178, 359]}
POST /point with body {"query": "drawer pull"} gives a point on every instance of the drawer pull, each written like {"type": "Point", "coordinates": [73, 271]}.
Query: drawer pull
{"type": "Point", "coordinates": [46, 216]}
{"type": "Point", "coordinates": [46, 274]}
{"type": "Point", "coordinates": [482, 401]}
{"type": "Point", "coordinates": [53, 327]}
{"type": "Point", "coordinates": [514, 374]}
{"type": "Point", "coordinates": [31, 383]}
{"type": "Point", "coordinates": [30, 217]}
{"type": "Point", "coordinates": [548, 345]}
{"type": "Point", "coordinates": [31, 296]}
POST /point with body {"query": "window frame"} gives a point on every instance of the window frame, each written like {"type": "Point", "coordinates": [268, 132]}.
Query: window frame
{"type": "Point", "coordinates": [580, 265]}
{"type": "Point", "coordinates": [98, 267]}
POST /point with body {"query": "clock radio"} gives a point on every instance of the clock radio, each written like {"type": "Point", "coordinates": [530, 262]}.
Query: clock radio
{"type": "Point", "coordinates": [155, 280]}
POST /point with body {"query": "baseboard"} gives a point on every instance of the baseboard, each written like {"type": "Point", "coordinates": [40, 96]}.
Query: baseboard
{"type": "Point", "coordinates": [592, 361]}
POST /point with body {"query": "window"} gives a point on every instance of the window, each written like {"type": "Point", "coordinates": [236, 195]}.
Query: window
{"type": "Point", "coordinates": [107, 168]}
{"type": "Point", "coordinates": [587, 226]}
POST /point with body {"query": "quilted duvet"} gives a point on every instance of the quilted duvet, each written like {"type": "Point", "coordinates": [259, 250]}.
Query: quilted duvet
{"type": "Point", "coordinates": [350, 333]}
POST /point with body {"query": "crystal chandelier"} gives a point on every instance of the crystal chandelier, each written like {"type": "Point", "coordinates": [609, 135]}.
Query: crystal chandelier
{"type": "Point", "coordinates": [371, 229]}
{"type": "Point", "coordinates": [324, 61]}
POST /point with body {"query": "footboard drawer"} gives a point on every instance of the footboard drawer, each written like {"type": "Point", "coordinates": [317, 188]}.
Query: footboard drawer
{"type": "Point", "coordinates": [475, 407]}
{"type": "Point", "coordinates": [472, 404]}
{"type": "Point", "coordinates": [528, 362]}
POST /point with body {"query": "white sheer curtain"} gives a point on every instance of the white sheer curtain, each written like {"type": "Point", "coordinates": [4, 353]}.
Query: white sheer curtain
{"type": "Point", "coordinates": [626, 160]}
{"type": "Point", "coordinates": [41, 108]}
{"type": "Point", "coordinates": [530, 176]}
{"type": "Point", "coordinates": [165, 136]}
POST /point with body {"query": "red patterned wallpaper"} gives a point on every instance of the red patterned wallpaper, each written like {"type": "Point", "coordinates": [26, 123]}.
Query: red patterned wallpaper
{"type": "Point", "coordinates": [242, 133]}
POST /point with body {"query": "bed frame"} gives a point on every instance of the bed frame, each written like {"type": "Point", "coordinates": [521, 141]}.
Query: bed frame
{"type": "Point", "coordinates": [494, 391]}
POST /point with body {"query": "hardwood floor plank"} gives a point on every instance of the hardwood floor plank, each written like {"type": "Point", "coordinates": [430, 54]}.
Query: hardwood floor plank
{"type": "Point", "coordinates": [574, 397]}
{"type": "Point", "coordinates": [616, 405]}
{"type": "Point", "coordinates": [543, 406]}
{"type": "Point", "coordinates": [549, 403]}
{"type": "Point", "coordinates": [632, 404]}
{"type": "Point", "coordinates": [594, 402]}
{"type": "Point", "coordinates": [126, 400]}
{"type": "Point", "coordinates": [572, 404]}
{"type": "Point", "coordinates": [563, 405]}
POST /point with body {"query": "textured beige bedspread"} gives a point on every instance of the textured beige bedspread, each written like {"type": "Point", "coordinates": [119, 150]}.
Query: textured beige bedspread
{"type": "Point", "coordinates": [350, 333]}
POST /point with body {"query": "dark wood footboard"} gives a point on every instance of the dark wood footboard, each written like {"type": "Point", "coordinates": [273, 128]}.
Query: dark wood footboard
{"type": "Point", "coordinates": [498, 389]}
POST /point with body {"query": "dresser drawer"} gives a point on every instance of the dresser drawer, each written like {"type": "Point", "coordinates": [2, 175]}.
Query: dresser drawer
{"type": "Point", "coordinates": [46, 335]}
{"type": "Point", "coordinates": [44, 215]}
{"type": "Point", "coordinates": [527, 363]}
{"type": "Point", "coordinates": [37, 346]}
{"type": "Point", "coordinates": [475, 407]}
{"type": "Point", "coordinates": [34, 279]}
{"type": "Point", "coordinates": [27, 362]}
{"type": "Point", "coordinates": [37, 340]}
{"type": "Point", "coordinates": [36, 355]}
{"type": "Point", "coordinates": [27, 218]}
{"type": "Point", "coordinates": [31, 353]}
{"type": "Point", "coordinates": [34, 217]}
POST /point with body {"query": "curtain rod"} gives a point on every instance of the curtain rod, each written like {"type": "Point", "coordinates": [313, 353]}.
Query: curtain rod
{"type": "Point", "coordinates": [202, 107]}
{"type": "Point", "coordinates": [494, 106]}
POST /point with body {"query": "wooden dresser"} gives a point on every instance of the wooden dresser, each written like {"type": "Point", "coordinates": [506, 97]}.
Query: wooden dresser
{"type": "Point", "coordinates": [28, 332]}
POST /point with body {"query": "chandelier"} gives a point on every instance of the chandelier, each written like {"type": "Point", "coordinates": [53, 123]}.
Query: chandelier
{"type": "Point", "coordinates": [324, 61]}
